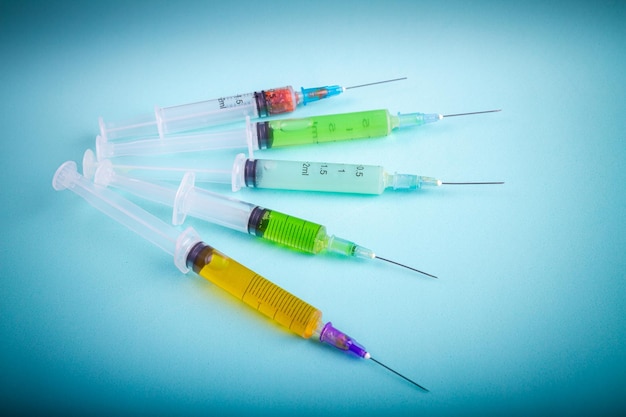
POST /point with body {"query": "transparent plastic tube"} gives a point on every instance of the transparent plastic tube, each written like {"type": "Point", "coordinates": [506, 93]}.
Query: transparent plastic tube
{"type": "Point", "coordinates": [321, 176]}
{"type": "Point", "coordinates": [170, 120]}
{"type": "Point", "coordinates": [123, 211]}
{"type": "Point", "coordinates": [150, 170]}
{"type": "Point", "coordinates": [235, 214]}
{"type": "Point", "coordinates": [185, 200]}
{"type": "Point", "coordinates": [229, 139]}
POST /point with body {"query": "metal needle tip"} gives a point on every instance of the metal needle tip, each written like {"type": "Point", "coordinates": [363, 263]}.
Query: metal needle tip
{"type": "Point", "coordinates": [404, 266]}
{"type": "Point", "coordinates": [473, 183]}
{"type": "Point", "coordinates": [400, 375]}
{"type": "Point", "coordinates": [475, 112]}
{"type": "Point", "coordinates": [377, 82]}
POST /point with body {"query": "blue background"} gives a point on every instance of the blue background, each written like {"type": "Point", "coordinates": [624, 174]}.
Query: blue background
{"type": "Point", "coordinates": [528, 315]}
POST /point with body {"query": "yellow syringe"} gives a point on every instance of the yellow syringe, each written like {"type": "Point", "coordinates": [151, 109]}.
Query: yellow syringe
{"type": "Point", "coordinates": [254, 290]}
{"type": "Point", "coordinates": [190, 252]}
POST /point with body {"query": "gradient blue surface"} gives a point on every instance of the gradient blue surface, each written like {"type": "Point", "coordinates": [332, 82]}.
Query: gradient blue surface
{"type": "Point", "coordinates": [528, 316]}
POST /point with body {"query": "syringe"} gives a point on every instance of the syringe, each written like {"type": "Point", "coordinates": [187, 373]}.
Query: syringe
{"type": "Point", "coordinates": [239, 215]}
{"type": "Point", "coordinates": [327, 177]}
{"type": "Point", "coordinates": [202, 114]}
{"type": "Point", "coordinates": [276, 133]}
{"type": "Point", "coordinates": [190, 252]}
{"type": "Point", "coordinates": [288, 175]}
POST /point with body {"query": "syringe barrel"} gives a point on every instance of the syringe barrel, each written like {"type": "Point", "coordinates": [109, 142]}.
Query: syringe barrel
{"type": "Point", "coordinates": [206, 113]}
{"type": "Point", "coordinates": [287, 230]}
{"type": "Point", "coordinates": [327, 128]}
{"type": "Point", "coordinates": [165, 121]}
{"type": "Point", "coordinates": [254, 290]}
{"type": "Point", "coordinates": [212, 207]}
{"type": "Point", "coordinates": [125, 212]}
{"type": "Point", "coordinates": [310, 176]}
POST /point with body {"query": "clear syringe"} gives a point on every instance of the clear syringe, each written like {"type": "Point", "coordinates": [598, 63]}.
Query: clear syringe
{"type": "Point", "coordinates": [190, 252]}
{"type": "Point", "coordinates": [284, 175]}
{"type": "Point", "coordinates": [271, 225]}
{"type": "Point", "coordinates": [202, 114]}
{"type": "Point", "coordinates": [327, 177]}
{"type": "Point", "coordinates": [277, 133]}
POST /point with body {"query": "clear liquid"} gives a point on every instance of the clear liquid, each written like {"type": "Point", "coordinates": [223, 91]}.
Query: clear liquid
{"type": "Point", "coordinates": [319, 176]}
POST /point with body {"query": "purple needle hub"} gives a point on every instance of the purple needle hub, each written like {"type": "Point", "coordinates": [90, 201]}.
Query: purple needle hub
{"type": "Point", "coordinates": [342, 341]}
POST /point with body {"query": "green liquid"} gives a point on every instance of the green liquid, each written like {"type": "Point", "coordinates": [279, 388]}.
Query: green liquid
{"type": "Point", "coordinates": [330, 128]}
{"type": "Point", "coordinates": [291, 231]}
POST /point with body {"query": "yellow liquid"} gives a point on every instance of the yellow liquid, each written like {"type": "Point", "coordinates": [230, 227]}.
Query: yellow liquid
{"type": "Point", "coordinates": [256, 291]}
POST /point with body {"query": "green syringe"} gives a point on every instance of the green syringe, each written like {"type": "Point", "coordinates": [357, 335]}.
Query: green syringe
{"type": "Point", "coordinates": [271, 225]}
{"type": "Point", "coordinates": [277, 133]}
{"type": "Point", "coordinates": [340, 127]}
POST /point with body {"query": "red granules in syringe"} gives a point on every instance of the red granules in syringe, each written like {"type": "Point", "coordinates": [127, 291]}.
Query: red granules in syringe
{"type": "Point", "coordinates": [280, 100]}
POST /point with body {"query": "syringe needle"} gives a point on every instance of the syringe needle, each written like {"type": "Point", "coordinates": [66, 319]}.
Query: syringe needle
{"type": "Point", "coordinates": [475, 112]}
{"type": "Point", "coordinates": [473, 183]}
{"type": "Point", "coordinates": [377, 82]}
{"type": "Point", "coordinates": [404, 266]}
{"type": "Point", "coordinates": [400, 375]}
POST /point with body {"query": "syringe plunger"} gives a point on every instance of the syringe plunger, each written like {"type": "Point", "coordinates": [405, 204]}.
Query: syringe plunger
{"type": "Point", "coordinates": [151, 228]}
